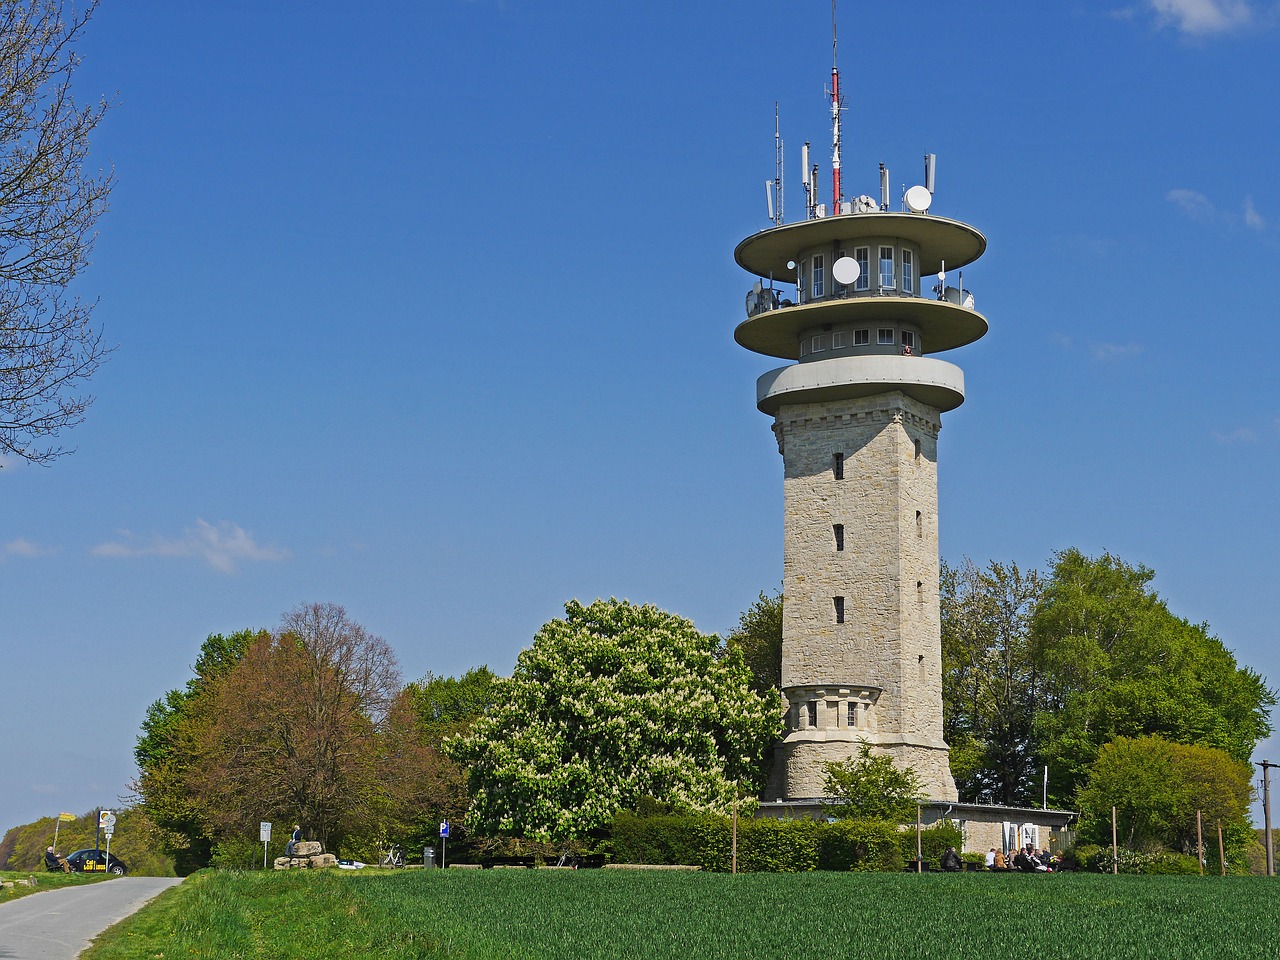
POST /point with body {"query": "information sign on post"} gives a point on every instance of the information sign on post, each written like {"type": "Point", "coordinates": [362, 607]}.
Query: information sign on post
{"type": "Point", "coordinates": [264, 834]}
{"type": "Point", "coordinates": [444, 839]}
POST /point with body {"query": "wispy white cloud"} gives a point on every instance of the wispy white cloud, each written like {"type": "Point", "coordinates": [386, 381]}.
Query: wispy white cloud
{"type": "Point", "coordinates": [1252, 218]}
{"type": "Point", "coordinates": [1194, 204]}
{"type": "Point", "coordinates": [223, 547]}
{"type": "Point", "coordinates": [1108, 352]}
{"type": "Point", "coordinates": [1202, 18]}
{"type": "Point", "coordinates": [1238, 435]}
{"type": "Point", "coordinates": [25, 548]}
{"type": "Point", "coordinates": [1200, 208]}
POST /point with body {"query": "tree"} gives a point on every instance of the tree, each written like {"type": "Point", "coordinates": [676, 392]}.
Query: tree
{"type": "Point", "coordinates": [1112, 661]}
{"type": "Point", "coordinates": [989, 680]}
{"type": "Point", "coordinates": [446, 705]}
{"type": "Point", "coordinates": [1157, 787]}
{"type": "Point", "coordinates": [167, 752]}
{"type": "Point", "coordinates": [871, 786]}
{"type": "Point", "coordinates": [612, 704]}
{"type": "Point", "coordinates": [49, 207]}
{"type": "Point", "coordinates": [295, 730]}
{"type": "Point", "coordinates": [759, 640]}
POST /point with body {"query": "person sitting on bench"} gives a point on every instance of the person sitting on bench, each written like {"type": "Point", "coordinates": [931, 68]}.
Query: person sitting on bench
{"type": "Point", "coordinates": [54, 862]}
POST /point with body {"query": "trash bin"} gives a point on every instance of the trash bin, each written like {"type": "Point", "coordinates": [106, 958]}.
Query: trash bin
{"type": "Point", "coordinates": [428, 856]}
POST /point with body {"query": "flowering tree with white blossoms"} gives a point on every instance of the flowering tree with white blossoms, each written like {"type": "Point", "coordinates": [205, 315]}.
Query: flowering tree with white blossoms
{"type": "Point", "coordinates": [614, 703]}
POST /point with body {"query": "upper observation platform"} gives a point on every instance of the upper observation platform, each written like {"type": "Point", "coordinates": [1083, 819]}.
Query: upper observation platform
{"type": "Point", "coordinates": [864, 284]}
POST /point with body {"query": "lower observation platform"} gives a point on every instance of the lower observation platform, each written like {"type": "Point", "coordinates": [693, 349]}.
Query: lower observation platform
{"type": "Point", "coordinates": [934, 382]}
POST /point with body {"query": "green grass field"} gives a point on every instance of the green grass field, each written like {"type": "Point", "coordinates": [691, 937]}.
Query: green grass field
{"type": "Point", "coordinates": [622, 914]}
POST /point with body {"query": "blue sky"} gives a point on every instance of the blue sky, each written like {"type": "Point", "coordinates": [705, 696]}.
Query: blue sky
{"type": "Point", "coordinates": [427, 310]}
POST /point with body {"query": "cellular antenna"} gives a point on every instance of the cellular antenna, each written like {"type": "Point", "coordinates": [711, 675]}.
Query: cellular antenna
{"type": "Point", "coordinates": [836, 107]}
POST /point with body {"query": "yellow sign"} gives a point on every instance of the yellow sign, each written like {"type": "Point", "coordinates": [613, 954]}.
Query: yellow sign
{"type": "Point", "coordinates": [66, 817]}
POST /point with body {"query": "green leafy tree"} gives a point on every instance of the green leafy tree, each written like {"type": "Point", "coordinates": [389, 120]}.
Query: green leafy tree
{"type": "Point", "coordinates": [871, 786]}
{"type": "Point", "coordinates": [1112, 661]}
{"type": "Point", "coordinates": [1157, 787]}
{"type": "Point", "coordinates": [167, 752]}
{"type": "Point", "coordinates": [612, 704]}
{"type": "Point", "coordinates": [989, 680]}
{"type": "Point", "coordinates": [759, 639]}
{"type": "Point", "coordinates": [446, 705]}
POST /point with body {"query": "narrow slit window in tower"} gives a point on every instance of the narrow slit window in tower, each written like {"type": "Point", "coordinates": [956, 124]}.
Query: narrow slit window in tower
{"type": "Point", "coordinates": [811, 712]}
{"type": "Point", "coordinates": [916, 444]}
{"type": "Point", "coordinates": [863, 256]}
{"type": "Point", "coordinates": [839, 603]}
{"type": "Point", "coordinates": [819, 277]}
{"type": "Point", "coordinates": [837, 288]}
{"type": "Point", "coordinates": [837, 465]}
{"type": "Point", "coordinates": [919, 524]}
{"type": "Point", "coordinates": [853, 714]}
{"type": "Point", "coordinates": [920, 592]}
{"type": "Point", "coordinates": [838, 530]}
{"type": "Point", "coordinates": [908, 272]}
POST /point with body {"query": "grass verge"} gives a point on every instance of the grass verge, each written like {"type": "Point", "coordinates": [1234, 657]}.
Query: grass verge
{"type": "Point", "coordinates": [475, 915]}
{"type": "Point", "coordinates": [44, 881]}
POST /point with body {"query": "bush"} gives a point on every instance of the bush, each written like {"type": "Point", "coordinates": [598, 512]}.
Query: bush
{"type": "Point", "coordinates": [935, 840]}
{"type": "Point", "coordinates": [764, 845]}
{"type": "Point", "coordinates": [1079, 856]}
{"type": "Point", "coordinates": [863, 845]}
{"type": "Point", "coordinates": [1173, 864]}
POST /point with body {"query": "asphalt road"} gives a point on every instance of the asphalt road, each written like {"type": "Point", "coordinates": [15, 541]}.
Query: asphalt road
{"type": "Point", "coordinates": [58, 924]}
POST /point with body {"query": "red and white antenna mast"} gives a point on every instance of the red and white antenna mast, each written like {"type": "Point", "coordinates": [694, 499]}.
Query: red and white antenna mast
{"type": "Point", "coordinates": [836, 194]}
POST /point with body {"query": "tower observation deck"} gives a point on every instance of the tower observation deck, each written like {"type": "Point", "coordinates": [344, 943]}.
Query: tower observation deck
{"type": "Point", "coordinates": [857, 418]}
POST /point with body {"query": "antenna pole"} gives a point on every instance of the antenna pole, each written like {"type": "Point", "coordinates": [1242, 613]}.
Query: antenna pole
{"type": "Point", "coordinates": [777, 166]}
{"type": "Point", "coordinates": [836, 194]}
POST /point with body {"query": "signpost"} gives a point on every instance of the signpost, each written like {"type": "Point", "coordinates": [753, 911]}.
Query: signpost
{"type": "Point", "coordinates": [107, 820]}
{"type": "Point", "coordinates": [444, 839]}
{"type": "Point", "coordinates": [264, 834]}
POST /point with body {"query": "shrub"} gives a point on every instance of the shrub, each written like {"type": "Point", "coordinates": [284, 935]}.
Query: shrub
{"type": "Point", "coordinates": [863, 845]}
{"type": "Point", "coordinates": [1078, 856]}
{"type": "Point", "coordinates": [935, 840]}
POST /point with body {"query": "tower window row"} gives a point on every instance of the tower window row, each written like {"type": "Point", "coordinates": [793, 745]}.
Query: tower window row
{"type": "Point", "coordinates": [897, 272]}
{"type": "Point", "coordinates": [895, 338]}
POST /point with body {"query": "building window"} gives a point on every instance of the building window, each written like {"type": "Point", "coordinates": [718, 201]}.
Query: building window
{"type": "Point", "coordinates": [837, 288]}
{"type": "Point", "coordinates": [908, 272]}
{"type": "Point", "coordinates": [852, 720]}
{"type": "Point", "coordinates": [920, 592]}
{"type": "Point", "coordinates": [837, 340]}
{"type": "Point", "coordinates": [885, 336]}
{"type": "Point", "coordinates": [837, 465]}
{"type": "Point", "coordinates": [863, 256]}
{"type": "Point", "coordinates": [839, 603]}
{"type": "Point", "coordinates": [838, 530]}
{"type": "Point", "coordinates": [909, 340]}
{"type": "Point", "coordinates": [919, 524]}
{"type": "Point", "coordinates": [802, 283]}
{"type": "Point", "coordinates": [861, 338]}
{"type": "Point", "coordinates": [819, 277]}
{"type": "Point", "coordinates": [886, 268]}
{"type": "Point", "coordinates": [819, 343]}
{"type": "Point", "coordinates": [811, 712]}
{"type": "Point", "coordinates": [916, 443]}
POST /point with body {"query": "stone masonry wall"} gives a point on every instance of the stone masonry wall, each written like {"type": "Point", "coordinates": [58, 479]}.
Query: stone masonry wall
{"type": "Point", "coordinates": [878, 675]}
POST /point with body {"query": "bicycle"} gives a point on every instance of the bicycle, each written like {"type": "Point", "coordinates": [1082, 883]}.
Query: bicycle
{"type": "Point", "coordinates": [394, 857]}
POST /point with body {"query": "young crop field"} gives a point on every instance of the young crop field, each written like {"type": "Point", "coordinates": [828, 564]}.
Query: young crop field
{"type": "Point", "coordinates": [474, 915]}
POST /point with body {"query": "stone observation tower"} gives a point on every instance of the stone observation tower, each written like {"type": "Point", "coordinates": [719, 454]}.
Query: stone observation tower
{"type": "Point", "coordinates": [850, 293]}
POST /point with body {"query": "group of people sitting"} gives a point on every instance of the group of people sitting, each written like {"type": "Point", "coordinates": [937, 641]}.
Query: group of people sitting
{"type": "Point", "coordinates": [1029, 859]}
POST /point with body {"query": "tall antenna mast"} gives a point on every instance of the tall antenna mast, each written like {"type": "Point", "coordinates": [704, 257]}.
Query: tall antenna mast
{"type": "Point", "coordinates": [836, 194]}
{"type": "Point", "coordinates": [777, 166]}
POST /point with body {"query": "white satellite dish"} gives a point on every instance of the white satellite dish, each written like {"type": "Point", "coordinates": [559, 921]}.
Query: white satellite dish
{"type": "Point", "coordinates": [918, 199]}
{"type": "Point", "coordinates": [846, 270]}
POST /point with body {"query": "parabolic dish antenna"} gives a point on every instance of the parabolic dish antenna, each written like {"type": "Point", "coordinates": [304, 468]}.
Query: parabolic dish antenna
{"type": "Point", "coordinates": [845, 270]}
{"type": "Point", "coordinates": [918, 199]}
